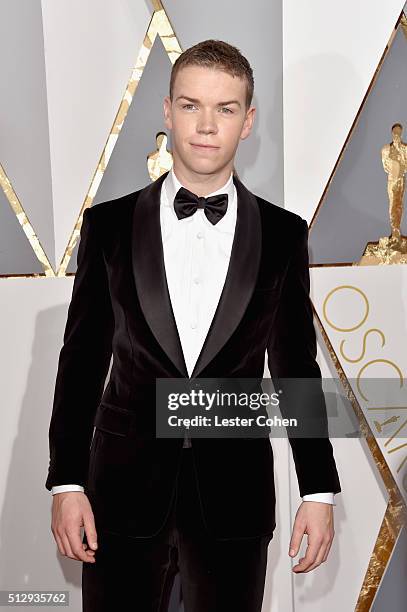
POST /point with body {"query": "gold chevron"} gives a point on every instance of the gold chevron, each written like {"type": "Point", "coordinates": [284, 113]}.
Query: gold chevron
{"type": "Point", "coordinates": [390, 528]}
{"type": "Point", "coordinates": [403, 21]}
{"type": "Point", "coordinates": [395, 516]}
{"type": "Point", "coordinates": [159, 25]}
{"type": "Point", "coordinates": [396, 512]}
{"type": "Point", "coordinates": [22, 218]}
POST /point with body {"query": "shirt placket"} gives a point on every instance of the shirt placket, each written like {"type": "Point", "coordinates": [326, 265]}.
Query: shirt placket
{"type": "Point", "coordinates": [195, 287]}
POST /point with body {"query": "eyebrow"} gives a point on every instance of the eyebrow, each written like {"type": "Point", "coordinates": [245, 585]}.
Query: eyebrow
{"type": "Point", "coordinates": [195, 100]}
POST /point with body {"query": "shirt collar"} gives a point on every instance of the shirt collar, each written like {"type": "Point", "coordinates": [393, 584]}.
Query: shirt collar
{"type": "Point", "coordinates": [172, 185]}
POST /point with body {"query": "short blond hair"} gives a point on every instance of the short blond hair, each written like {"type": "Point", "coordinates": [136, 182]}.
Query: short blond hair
{"type": "Point", "coordinates": [216, 54]}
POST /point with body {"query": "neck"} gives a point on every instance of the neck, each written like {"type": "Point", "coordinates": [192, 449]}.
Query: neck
{"type": "Point", "coordinates": [202, 184]}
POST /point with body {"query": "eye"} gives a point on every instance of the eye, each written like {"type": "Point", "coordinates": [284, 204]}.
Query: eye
{"type": "Point", "coordinates": [187, 105]}
{"type": "Point", "coordinates": [228, 109]}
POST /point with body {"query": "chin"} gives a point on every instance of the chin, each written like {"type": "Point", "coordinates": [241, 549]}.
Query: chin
{"type": "Point", "coordinates": [203, 167]}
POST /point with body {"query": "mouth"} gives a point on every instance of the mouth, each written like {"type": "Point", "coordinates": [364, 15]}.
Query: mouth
{"type": "Point", "coordinates": [204, 147]}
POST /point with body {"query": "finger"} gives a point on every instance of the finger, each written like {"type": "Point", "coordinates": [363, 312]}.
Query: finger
{"type": "Point", "coordinates": [90, 531]}
{"type": "Point", "coordinates": [322, 554]}
{"type": "Point", "coordinates": [67, 546]}
{"type": "Point", "coordinates": [318, 559]}
{"type": "Point", "coordinates": [85, 544]}
{"type": "Point", "coordinates": [88, 550]}
{"type": "Point", "coordinates": [60, 545]}
{"type": "Point", "coordinates": [74, 536]}
{"type": "Point", "coordinates": [296, 539]}
{"type": "Point", "coordinates": [311, 554]}
{"type": "Point", "coordinates": [328, 548]}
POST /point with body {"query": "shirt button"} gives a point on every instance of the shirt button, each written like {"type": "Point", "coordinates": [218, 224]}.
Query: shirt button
{"type": "Point", "coordinates": [194, 324]}
{"type": "Point", "coordinates": [199, 235]}
{"type": "Point", "coordinates": [197, 280]}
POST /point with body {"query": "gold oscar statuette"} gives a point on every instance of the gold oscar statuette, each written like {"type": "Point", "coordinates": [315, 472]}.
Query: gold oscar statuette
{"type": "Point", "coordinates": [391, 249]}
{"type": "Point", "coordinates": [160, 160]}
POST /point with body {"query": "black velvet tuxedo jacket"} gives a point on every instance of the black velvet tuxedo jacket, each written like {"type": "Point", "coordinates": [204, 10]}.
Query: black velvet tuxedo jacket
{"type": "Point", "coordinates": [120, 305]}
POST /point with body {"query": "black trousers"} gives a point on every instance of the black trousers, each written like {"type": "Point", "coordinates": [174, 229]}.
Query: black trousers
{"type": "Point", "coordinates": [137, 574]}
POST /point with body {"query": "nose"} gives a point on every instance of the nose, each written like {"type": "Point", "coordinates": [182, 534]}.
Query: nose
{"type": "Point", "coordinates": [206, 123]}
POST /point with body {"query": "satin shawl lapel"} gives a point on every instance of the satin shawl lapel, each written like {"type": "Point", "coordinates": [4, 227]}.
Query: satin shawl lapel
{"type": "Point", "coordinates": [151, 281]}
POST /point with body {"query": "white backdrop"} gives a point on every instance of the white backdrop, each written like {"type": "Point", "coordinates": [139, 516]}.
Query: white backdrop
{"type": "Point", "coordinates": [328, 57]}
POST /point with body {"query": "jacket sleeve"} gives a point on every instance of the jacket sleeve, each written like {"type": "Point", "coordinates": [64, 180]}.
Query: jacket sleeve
{"type": "Point", "coordinates": [292, 350]}
{"type": "Point", "coordinates": [83, 363]}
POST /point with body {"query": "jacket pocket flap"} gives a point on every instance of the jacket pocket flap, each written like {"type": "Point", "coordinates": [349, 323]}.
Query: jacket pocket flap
{"type": "Point", "coordinates": [114, 419]}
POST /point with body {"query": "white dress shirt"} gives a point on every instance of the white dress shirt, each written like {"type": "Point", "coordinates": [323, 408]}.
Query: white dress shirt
{"type": "Point", "coordinates": [196, 258]}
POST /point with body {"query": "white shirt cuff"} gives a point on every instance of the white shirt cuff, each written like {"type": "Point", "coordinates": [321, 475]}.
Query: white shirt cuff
{"type": "Point", "coordinates": [64, 488]}
{"type": "Point", "coordinates": [326, 498]}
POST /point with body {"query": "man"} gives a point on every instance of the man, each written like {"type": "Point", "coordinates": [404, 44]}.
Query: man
{"type": "Point", "coordinates": [179, 286]}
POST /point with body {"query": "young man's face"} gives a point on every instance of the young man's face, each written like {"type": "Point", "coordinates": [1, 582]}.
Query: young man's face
{"type": "Point", "coordinates": [208, 118]}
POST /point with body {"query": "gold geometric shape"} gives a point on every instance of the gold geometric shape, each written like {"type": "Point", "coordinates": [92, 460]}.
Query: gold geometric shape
{"type": "Point", "coordinates": [22, 218]}
{"type": "Point", "coordinates": [385, 251]}
{"type": "Point", "coordinates": [402, 20]}
{"type": "Point", "coordinates": [396, 512]}
{"type": "Point", "coordinates": [393, 521]}
{"type": "Point", "coordinates": [159, 25]}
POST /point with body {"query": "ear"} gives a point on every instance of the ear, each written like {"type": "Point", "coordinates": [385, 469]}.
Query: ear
{"type": "Point", "coordinates": [248, 123]}
{"type": "Point", "coordinates": [167, 112]}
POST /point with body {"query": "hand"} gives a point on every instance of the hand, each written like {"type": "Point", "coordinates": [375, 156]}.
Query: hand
{"type": "Point", "coordinates": [71, 510]}
{"type": "Point", "coordinates": [317, 520]}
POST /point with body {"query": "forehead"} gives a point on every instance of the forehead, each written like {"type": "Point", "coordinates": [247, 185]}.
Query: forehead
{"type": "Point", "coordinates": [208, 83]}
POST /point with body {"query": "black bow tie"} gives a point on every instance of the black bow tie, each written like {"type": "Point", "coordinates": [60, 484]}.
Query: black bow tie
{"type": "Point", "coordinates": [186, 203]}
